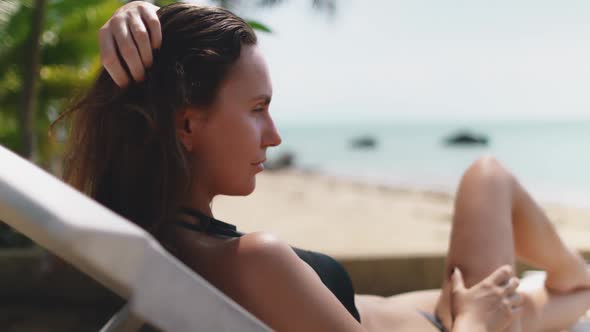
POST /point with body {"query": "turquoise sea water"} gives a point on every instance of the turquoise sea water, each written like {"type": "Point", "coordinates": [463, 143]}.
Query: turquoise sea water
{"type": "Point", "coordinates": [552, 159]}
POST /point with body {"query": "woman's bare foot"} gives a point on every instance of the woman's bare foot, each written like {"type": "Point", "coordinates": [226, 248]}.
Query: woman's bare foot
{"type": "Point", "coordinates": [573, 275]}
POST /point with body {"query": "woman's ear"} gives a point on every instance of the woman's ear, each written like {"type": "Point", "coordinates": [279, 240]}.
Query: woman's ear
{"type": "Point", "coordinates": [185, 128]}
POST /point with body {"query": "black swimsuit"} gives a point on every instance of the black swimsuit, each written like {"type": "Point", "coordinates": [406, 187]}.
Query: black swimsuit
{"type": "Point", "coordinates": [332, 274]}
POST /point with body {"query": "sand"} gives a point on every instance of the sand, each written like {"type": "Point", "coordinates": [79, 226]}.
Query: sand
{"type": "Point", "coordinates": [351, 219]}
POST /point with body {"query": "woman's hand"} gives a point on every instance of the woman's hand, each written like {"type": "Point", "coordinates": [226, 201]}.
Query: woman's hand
{"type": "Point", "coordinates": [491, 305]}
{"type": "Point", "coordinates": [132, 33]}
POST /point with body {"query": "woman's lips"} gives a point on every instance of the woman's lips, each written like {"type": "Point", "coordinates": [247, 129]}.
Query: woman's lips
{"type": "Point", "coordinates": [259, 167]}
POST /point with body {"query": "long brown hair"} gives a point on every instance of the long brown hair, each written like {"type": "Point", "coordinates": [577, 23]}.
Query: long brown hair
{"type": "Point", "coordinates": [123, 149]}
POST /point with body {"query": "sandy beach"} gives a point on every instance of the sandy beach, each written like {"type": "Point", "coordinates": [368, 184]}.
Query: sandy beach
{"type": "Point", "coordinates": [350, 219]}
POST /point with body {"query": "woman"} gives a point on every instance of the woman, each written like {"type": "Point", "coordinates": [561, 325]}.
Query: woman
{"type": "Point", "coordinates": [196, 124]}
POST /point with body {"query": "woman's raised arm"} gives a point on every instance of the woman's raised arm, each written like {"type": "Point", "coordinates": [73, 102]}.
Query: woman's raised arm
{"type": "Point", "coordinates": [126, 41]}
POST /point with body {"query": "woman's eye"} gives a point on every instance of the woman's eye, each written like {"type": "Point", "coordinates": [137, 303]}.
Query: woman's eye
{"type": "Point", "coordinates": [259, 109]}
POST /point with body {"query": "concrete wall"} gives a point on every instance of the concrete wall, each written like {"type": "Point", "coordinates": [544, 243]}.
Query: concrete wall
{"type": "Point", "coordinates": [39, 293]}
{"type": "Point", "coordinates": [393, 275]}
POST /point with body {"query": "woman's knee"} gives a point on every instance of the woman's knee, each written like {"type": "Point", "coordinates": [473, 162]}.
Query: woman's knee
{"type": "Point", "coordinates": [486, 171]}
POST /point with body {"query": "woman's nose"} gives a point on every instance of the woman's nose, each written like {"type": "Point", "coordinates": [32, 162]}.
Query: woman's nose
{"type": "Point", "coordinates": [271, 136]}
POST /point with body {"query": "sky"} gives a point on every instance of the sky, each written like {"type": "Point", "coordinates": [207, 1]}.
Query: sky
{"type": "Point", "coordinates": [428, 60]}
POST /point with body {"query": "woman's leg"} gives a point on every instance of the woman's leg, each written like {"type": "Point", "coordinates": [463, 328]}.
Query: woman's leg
{"type": "Point", "coordinates": [495, 220]}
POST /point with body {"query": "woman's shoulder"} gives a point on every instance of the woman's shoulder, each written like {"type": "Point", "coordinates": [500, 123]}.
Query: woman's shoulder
{"type": "Point", "coordinates": [281, 289]}
{"type": "Point", "coordinates": [260, 246]}
{"type": "Point", "coordinates": [260, 251]}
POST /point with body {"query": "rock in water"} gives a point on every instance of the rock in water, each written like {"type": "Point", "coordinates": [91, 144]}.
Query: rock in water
{"type": "Point", "coordinates": [364, 142]}
{"type": "Point", "coordinates": [466, 138]}
{"type": "Point", "coordinates": [285, 160]}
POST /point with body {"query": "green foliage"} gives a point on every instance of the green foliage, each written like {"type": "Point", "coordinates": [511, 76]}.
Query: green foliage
{"type": "Point", "coordinates": [259, 26]}
{"type": "Point", "coordinates": [69, 58]}
{"type": "Point", "coordinates": [161, 3]}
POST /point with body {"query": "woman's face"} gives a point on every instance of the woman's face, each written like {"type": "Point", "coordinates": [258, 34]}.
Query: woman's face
{"type": "Point", "coordinates": [229, 144]}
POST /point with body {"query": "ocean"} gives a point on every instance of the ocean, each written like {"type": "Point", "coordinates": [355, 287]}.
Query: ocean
{"type": "Point", "coordinates": [551, 158]}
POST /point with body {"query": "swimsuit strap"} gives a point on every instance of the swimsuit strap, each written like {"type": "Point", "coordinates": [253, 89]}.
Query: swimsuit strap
{"type": "Point", "coordinates": [434, 320]}
{"type": "Point", "coordinates": [207, 224]}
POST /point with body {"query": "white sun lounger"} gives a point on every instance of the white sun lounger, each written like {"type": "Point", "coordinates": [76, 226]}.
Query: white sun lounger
{"type": "Point", "coordinates": [158, 288]}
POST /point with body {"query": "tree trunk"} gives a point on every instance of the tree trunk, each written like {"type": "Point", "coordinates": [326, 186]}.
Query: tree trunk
{"type": "Point", "coordinates": [31, 83]}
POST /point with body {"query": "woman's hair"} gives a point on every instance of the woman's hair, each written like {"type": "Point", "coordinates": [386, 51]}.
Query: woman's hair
{"type": "Point", "coordinates": [123, 149]}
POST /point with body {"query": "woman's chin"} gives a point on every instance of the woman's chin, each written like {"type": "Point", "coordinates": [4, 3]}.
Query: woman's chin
{"type": "Point", "coordinates": [245, 190]}
{"type": "Point", "coordinates": [248, 192]}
